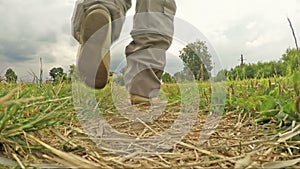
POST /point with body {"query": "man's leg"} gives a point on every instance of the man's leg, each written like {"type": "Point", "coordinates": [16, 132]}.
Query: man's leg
{"type": "Point", "coordinates": [117, 10]}
{"type": "Point", "coordinates": [89, 17]}
{"type": "Point", "coordinates": [152, 35]}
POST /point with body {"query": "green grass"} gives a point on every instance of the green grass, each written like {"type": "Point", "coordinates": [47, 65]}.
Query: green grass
{"type": "Point", "coordinates": [29, 108]}
{"type": "Point", "coordinates": [269, 100]}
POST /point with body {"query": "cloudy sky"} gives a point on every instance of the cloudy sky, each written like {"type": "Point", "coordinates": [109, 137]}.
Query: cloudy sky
{"type": "Point", "coordinates": [258, 29]}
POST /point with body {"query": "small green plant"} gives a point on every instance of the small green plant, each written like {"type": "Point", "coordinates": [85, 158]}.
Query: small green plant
{"type": "Point", "coordinates": [30, 108]}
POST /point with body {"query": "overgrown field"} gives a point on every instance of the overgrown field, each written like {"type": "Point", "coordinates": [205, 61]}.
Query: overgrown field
{"type": "Point", "coordinates": [260, 128]}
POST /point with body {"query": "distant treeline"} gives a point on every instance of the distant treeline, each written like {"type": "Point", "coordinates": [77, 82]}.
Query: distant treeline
{"type": "Point", "coordinates": [285, 66]}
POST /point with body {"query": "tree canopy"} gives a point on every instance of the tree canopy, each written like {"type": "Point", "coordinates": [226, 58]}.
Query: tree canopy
{"type": "Point", "coordinates": [197, 58]}
{"type": "Point", "coordinates": [11, 76]}
{"type": "Point", "coordinates": [57, 73]}
{"type": "Point", "coordinates": [167, 78]}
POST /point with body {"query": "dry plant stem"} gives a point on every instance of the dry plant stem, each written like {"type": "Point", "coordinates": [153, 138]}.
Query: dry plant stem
{"type": "Point", "coordinates": [49, 101]}
{"type": "Point", "coordinates": [63, 138]}
{"type": "Point", "coordinates": [71, 158]}
{"type": "Point", "coordinates": [24, 100]}
{"type": "Point", "coordinates": [157, 162]}
{"type": "Point", "coordinates": [293, 32]}
{"type": "Point", "coordinates": [8, 96]}
{"type": "Point", "coordinates": [59, 160]}
{"type": "Point", "coordinates": [19, 161]}
{"type": "Point", "coordinates": [103, 165]}
{"type": "Point", "coordinates": [206, 152]}
{"type": "Point", "coordinates": [148, 126]}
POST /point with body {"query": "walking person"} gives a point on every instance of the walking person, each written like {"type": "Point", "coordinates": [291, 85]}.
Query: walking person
{"type": "Point", "coordinates": [152, 33]}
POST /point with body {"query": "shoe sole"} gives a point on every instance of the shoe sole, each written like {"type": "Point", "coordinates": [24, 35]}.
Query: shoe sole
{"type": "Point", "coordinates": [95, 75]}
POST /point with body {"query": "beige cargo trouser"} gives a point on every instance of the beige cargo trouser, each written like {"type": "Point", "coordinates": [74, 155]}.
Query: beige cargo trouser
{"type": "Point", "coordinates": [152, 33]}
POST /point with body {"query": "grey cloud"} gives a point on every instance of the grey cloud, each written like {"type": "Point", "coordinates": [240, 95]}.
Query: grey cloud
{"type": "Point", "coordinates": [17, 51]}
{"type": "Point", "coordinates": [259, 42]}
{"type": "Point", "coordinates": [47, 58]}
{"type": "Point", "coordinates": [238, 30]}
{"type": "Point", "coordinates": [50, 37]}
{"type": "Point", "coordinates": [28, 27]}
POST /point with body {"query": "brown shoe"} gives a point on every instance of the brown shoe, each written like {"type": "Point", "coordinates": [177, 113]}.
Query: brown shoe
{"type": "Point", "coordinates": [94, 57]}
{"type": "Point", "coordinates": [139, 100]}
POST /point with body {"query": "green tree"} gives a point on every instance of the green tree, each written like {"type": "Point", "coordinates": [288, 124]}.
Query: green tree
{"type": "Point", "coordinates": [221, 76]}
{"type": "Point", "coordinates": [72, 72]}
{"type": "Point", "coordinates": [290, 59]}
{"type": "Point", "coordinates": [184, 76]}
{"type": "Point", "coordinates": [197, 58]}
{"type": "Point", "coordinates": [11, 76]}
{"type": "Point", "coordinates": [119, 79]}
{"type": "Point", "coordinates": [286, 66]}
{"type": "Point", "coordinates": [72, 69]}
{"type": "Point", "coordinates": [57, 73]}
{"type": "Point", "coordinates": [249, 71]}
{"type": "Point", "coordinates": [167, 78]}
